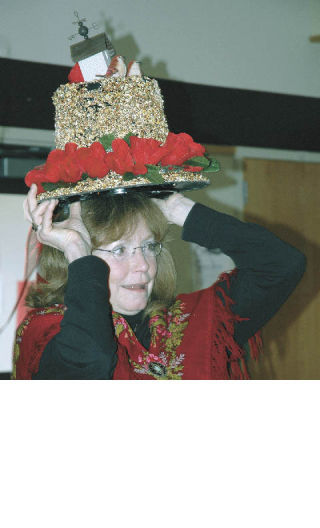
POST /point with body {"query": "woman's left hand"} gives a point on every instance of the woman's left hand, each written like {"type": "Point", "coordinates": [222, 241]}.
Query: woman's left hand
{"type": "Point", "coordinates": [175, 208]}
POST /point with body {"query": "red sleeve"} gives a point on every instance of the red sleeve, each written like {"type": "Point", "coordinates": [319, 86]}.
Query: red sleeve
{"type": "Point", "coordinates": [32, 336]}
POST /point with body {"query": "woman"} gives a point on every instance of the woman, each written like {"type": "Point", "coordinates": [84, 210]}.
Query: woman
{"type": "Point", "coordinates": [105, 308]}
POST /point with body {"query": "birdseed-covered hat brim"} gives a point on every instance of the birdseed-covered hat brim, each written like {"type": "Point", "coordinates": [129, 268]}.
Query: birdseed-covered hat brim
{"type": "Point", "coordinates": [84, 189]}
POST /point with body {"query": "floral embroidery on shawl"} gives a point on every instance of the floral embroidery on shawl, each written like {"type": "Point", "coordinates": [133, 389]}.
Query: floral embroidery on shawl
{"type": "Point", "coordinates": [122, 328]}
{"type": "Point", "coordinates": [167, 331]}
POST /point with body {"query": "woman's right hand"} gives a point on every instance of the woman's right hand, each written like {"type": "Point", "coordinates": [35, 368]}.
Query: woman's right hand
{"type": "Point", "coordinates": [70, 236]}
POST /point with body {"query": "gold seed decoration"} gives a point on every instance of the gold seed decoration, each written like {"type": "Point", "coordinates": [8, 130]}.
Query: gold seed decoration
{"type": "Point", "coordinates": [87, 111]}
{"type": "Point", "coordinates": [113, 180]}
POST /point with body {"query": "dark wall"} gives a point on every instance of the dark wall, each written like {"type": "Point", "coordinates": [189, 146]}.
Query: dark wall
{"type": "Point", "coordinates": [211, 114]}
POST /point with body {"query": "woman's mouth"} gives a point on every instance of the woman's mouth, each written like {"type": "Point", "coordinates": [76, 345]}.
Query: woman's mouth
{"type": "Point", "coordinates": [136, 287]}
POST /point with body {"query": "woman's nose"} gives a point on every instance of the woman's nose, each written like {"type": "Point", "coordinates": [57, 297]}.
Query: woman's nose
{"type": "Point", "coordinates": [138, 259]}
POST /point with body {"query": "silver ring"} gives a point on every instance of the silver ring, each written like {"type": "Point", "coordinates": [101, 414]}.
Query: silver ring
{"type": "Point", "coordinates": [35, 227]}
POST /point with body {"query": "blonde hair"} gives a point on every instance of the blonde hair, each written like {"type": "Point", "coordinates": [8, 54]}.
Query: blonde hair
{"type": "Point", "coordinates": [107, 219]}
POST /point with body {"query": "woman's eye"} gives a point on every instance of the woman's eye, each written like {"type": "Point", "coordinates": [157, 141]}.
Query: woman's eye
{"type": "Point", "coordinates": [150, 246]}
{"type": "Point", "coordinates": [119, 251]}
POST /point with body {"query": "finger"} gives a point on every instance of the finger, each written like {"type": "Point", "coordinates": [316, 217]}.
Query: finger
{"type": "Point", "coordinates": [37, 214]}
{"type": "Point", "coordinates": [32, 197]}
{"type": "Point", "coordinates": [46, 221]}
{"type": "Point", "coordinates": [30, 202]}
{"type": "Point", "coordinates": [75, 210]}
{"type": "Point", "coordinates": [26, 210]}
{"type": "Point", "coordinates": [33, 191]}
{"type": "Point", "coordinates": [32, 214]}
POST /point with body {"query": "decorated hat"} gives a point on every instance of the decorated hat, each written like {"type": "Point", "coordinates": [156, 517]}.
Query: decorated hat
{"type": "Point", "coordinates": [111, 132]}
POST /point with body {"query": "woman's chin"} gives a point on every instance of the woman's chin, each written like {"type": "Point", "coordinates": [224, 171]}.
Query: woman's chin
{"type": "Point", "coordinates": [130, 308]}
{"type": "Point", "coordinates": [130, 311]}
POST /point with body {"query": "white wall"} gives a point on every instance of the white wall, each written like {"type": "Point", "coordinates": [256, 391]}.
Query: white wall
{"type": "Point", "coordinates": [254, 44]}
{"type": "Point", "coordinates": [13, 237]}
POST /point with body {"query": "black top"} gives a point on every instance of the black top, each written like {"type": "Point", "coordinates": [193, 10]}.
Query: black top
{"type": "Point", "coordinates": [268, 271]}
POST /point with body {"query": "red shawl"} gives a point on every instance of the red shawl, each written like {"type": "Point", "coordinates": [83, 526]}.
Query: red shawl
{"type": "Point", "coordinates": [192, 340]}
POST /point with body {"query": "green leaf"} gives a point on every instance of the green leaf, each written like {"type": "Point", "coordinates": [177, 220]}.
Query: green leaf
{"type": "Point", "coordinates": [212, 159]}
{"type": "Point", "coordinates": [154, 178]}
{"type": "Point", "coordinates": [85, 176]}
{"type": "Point", "coordinates": [168, 168]}
{"type": "Point", "coordinates": [127, 176]}
{"type": "Point", "coordinates": [49, 186]}
{"type": "Point", "coordinates": [153, 174]}
{"type": "Point", "coordinates": [106, 141]}
{"type": "Point", "coordinates": [127, 138]}
{"type": "Point", "coordinates": [198, 161]}
{"type": "Point", "coordinates": [213, 167]}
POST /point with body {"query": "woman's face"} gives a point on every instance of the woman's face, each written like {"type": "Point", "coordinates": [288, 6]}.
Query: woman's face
{"type": "Point", "coordinates": [130, 281]}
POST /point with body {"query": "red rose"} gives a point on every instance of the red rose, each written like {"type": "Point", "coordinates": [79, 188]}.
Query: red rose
{"type": "Point", "coordinates": [69, 164]}
{"type": "Point", "coordinates": [62, 165]}
{"type": "Point", "coordinates": [54, 173]}
{"type": "Point", "coordinates": [94, 160]}
{"type": "Point", "coordinates": [84, 158]}
{"type": "Point", "coordinates": [69, 169]}
{"type": "Point", "coordinates": [72, 170]}
{"type": "Point", "coordinates": [180, 147]}
{"type": "Point", "coordinates": [139, 168]}
{"type": "Point", "coordinates": [98, 150]}
{"type": "Point", "coordinates": [195, 149]}
{"type": "Point", "coordinates": [121, 159]}
{"type": "Point", "coordinates": [146, 150]}
{"type": "Point", "coordinates": [54, 170]}
{"type": "Point", "coordinates": [70, 148]}
{"type": "Point", "coordinates": [35, 175]}
{"type": "Point", "coordinates": [55, 156]}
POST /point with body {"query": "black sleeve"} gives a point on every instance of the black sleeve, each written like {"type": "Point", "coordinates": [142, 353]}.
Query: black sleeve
{"type": "Point", "coordinates": [85, 347]}
{"type": "Point", "coordinates": [268, 268]}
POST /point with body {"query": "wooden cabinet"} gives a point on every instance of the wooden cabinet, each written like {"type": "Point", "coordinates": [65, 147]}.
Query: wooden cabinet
{"type": "Point", "coordinates": [285, 197]}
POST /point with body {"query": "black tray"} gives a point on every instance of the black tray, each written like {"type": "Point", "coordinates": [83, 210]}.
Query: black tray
{"type": "Point", "coordinates": [162, 190]}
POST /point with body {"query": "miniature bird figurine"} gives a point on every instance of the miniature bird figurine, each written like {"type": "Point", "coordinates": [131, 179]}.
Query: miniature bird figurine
{"type": "Point", "coordinates": [134, 69]}
{"type": "Point", "coordinates": [117, 67]}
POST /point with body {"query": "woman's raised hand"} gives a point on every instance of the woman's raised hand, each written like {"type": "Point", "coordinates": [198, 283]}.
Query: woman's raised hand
{"type": "Point", "coordinates": [175, 208]}
{"type": "Point", "coordinates": [70, 236]}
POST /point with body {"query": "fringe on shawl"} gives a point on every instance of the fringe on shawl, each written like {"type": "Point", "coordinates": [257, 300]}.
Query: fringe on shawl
{"type": "Point", "coordinates": [229, 357]}
{"type": "Point", "coordinates": [32, 336]}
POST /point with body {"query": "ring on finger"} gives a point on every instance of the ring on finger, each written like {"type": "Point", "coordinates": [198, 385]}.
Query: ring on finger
{"type": "Point", "coordinates": [35, 227]}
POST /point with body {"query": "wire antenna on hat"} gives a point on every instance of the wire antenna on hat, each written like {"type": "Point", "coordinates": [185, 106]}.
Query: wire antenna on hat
{"type": "Point", "coordinates": [83, 30]}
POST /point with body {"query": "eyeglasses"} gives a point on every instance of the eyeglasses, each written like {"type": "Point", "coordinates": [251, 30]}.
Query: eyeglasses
{"type": "Point", "coordinates": [120, 253]}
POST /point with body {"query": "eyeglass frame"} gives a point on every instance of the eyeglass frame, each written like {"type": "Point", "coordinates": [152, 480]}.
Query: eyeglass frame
{"type": "Point", "coordinates": [112, 251]}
